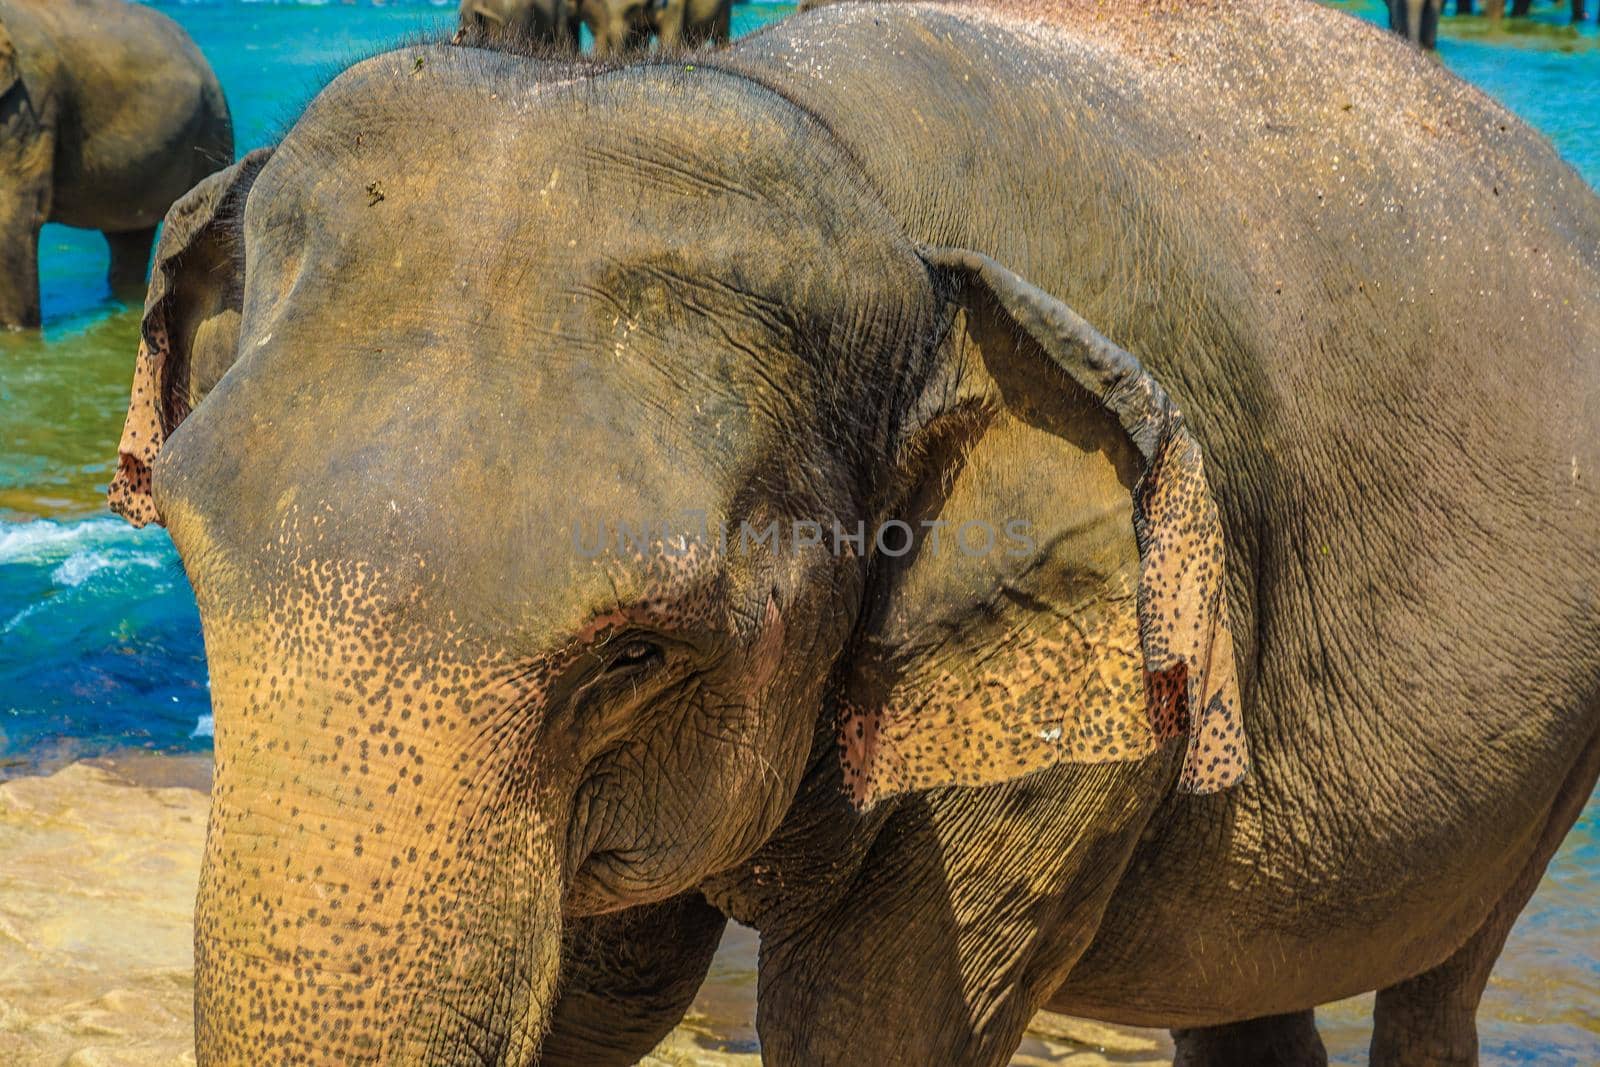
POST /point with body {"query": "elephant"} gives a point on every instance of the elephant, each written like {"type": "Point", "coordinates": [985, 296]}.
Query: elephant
{"type": "Point", "coordinates": [1416, 20]}
{"type": "Point", "coordinates": [691, 23]}
{"type": "Point", "coordinates": [108, 114]}
{"type": "Point", "coordinates": [552, 23]}
{"type": "Point", "coordinates": [622, 26]}
{"type": "Point", "coordinates": [1023, 503]}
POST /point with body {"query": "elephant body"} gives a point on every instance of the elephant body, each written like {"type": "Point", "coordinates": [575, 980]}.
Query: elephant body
{"type": "Point", "coordinates": [108, 114]}
{"type": "Point", "coordinates": [1217, 741]}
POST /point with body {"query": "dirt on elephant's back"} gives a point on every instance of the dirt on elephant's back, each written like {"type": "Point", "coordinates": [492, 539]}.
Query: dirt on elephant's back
{"type": "Point", "coordinates": [96, 956]}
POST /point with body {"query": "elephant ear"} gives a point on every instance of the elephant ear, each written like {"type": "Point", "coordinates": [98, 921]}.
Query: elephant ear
{"type": "Point", "coordinates": [1064, 598]}
{"type": "Point", "coordinates": [10, 75]}
{"type": "Point", "coordinates": [190, 332]}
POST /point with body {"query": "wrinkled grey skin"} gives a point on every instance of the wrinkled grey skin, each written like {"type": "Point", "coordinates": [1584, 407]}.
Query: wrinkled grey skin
{"type": "Point", "coordinates": [1416, 20]}
{"type": "Point", "coordinates": [553, 23]}
{"type": "Point", "coordinates": [108, 114]}
{"type": "Point", "coordinates": [457, 814]}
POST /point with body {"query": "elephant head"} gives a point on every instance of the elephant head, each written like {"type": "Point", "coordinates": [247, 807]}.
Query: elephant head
{"type": "Point", "coordinates": [552, 23]}
{"type": "Point", "coordinates": [527, 601]}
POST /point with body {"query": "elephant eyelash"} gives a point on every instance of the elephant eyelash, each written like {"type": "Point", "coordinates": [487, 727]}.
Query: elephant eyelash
{"type": "Point", "coordinates": [634, 655]}
{"type": "Point", "coordinates": [625, 665]}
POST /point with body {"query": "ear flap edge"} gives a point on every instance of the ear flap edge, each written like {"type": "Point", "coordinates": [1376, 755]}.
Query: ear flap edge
{"type": "Point", "coordinates": [1179, 627]}
{"type": "Point", "coordinates": [152, 415]}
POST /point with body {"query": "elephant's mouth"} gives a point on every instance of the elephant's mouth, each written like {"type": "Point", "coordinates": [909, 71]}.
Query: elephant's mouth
{"type": "Point", "coordinates": [612, 879]}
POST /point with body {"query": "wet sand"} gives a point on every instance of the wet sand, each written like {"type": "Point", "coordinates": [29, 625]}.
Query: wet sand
{"type": "Point", "coordinates": [99, 863]}
{"type": "Point", "coordinates": [98, 868]}
{"type": "Point", "coordinates": [96, 893]}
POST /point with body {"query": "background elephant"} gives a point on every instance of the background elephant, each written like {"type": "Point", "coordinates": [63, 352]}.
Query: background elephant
{"type": "Point", "coordinates": [108, 113]}
{"type": "Point", "coordinates": [1416, 20]}
{"type": "Point", "coordinates": [691, 23]}
{"type": "Point", "coordinates": [619, 26]}
{"type": "Point", "coordinates": [1286, 686]}
{"type": "Point", "coordinates": [547, 22]}
{"type": "Point", "coordinates": [622, 26]}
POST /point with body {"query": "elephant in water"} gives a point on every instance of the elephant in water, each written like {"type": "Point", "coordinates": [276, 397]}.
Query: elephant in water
{"type": "Point", "coordinates": [691, 23]}
{"type": "Point", "coordinates": [108, 114]}
{"type": "Point", "coordinates": [1024, 503]}
{"type": "Point", "coordinates": [546, 22]}
{"type": "Point", "coordinates": [621, 26]}
{"type": "Point", "coordinates": [618, 26]}
{"type": "Point", "coordinates": [1416, 20]}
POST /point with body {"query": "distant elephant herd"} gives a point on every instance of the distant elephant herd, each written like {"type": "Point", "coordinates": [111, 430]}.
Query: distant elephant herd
{"type": "Point", "coordinates": [1418, 20]}
{"type": "Point", "coordinates": [618, 26]}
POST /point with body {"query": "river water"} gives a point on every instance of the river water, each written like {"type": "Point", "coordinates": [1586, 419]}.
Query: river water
{"type": "Point", "coordinates": [99, 639]}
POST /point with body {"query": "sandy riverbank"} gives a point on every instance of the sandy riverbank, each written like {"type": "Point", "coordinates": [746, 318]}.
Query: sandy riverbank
{"type": "Point", "coordinates": [100, 863]}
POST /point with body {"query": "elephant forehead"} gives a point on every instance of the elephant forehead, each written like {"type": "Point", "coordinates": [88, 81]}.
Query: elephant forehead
{"type": "Point", "coordinates": [492, 148]}
{"type": "Point", "coordinates": [526, 539]}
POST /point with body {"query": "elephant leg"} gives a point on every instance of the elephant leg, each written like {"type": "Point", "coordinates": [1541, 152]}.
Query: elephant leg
{"type": "Point", "coordinates": [1431, 1020]}
{"type": "Point", "coordinates": [130, 262]}
{"type": "Point", "coordinates": [964, 917]}
{"type": "Point", "coordinates": [25, 198]}
{"type": "Point", "coordinates": [716, 30]}
{"type": "Point", "coordinates": [1271, 1041]}
{"type": "Point", "coordinates": [1428, 28]}
{"type": "Point", "coordinates": [19, 271]}
{"type": "Point", "coordinates": [627, 979]}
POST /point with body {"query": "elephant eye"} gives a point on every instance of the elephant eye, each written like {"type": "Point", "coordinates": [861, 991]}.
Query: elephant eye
{"type": "Point", "coordinates": [633, 655]}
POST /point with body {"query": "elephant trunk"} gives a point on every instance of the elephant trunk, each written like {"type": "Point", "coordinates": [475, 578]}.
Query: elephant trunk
{"type": "Point", "coordinates": [334, 926]}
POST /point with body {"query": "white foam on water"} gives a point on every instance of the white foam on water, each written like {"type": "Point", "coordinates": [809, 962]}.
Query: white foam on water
{"type": "Point", "coordinates": [50, 541]}
{"type": "Point", "coordinates": [27, 542]}
{"type": "Point", "coordinates": [205, 726]}
{"type": "Point", "coordinates": [77, 551]}
{"type": "Point", "coordinates": [21, 616]}
{"type": "Point", "coordinates": [79, 566]}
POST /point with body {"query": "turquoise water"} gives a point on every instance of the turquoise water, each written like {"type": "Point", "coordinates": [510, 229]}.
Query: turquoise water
{"type": "Point", "coordinates": [99, 639]}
